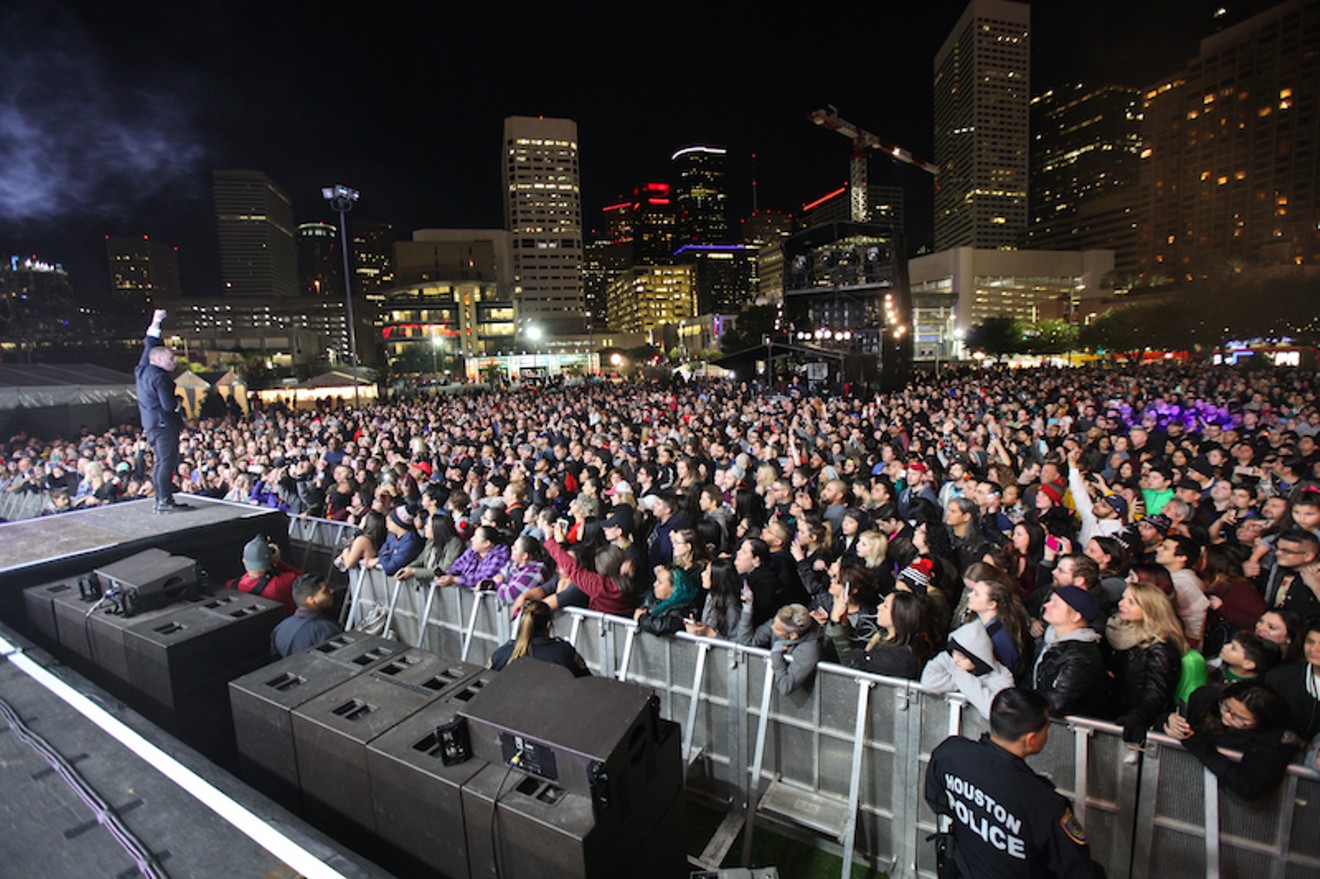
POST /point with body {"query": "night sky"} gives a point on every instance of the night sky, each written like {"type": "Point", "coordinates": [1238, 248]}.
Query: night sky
{"type": "Point", "coordinates": [112, 115]}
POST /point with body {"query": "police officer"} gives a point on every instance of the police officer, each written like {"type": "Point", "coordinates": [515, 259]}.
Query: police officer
{"type": "Point", "coordinates": [1007, 820]}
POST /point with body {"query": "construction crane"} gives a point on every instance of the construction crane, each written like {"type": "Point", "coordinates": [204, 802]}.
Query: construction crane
{"type": "Point", "coordinates": [863, 141]}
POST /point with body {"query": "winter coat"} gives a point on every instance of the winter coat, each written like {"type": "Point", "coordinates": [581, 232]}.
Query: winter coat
{"type": "Point", "coordinates": [1146, 677]}
{"type": "Point", "coordinates": [1265, 752]}
{"type": "Point", "coordinates": [793, 661]}
{"type": "Point", "coordinates": [980, 688]}
{"type": "Point", "coordinates": [1069, 672]}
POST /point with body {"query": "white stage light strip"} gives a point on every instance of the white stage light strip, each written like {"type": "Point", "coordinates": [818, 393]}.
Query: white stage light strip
{"type": "Point", "coordinates": [291, 853]}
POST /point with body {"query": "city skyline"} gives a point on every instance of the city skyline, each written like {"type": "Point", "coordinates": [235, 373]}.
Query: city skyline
{"type": "Point", "coordinates": [415, 126]}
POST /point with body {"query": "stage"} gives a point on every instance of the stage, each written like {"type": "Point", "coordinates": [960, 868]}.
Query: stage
{"type": "Point", "coordinates": [167, 796]}
{"type": "Point", "coordinates": [35, 551]}
{"type": "Point", "coordinates": [192, 818]}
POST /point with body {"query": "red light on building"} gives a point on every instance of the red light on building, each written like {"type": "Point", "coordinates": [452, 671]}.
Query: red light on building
{"type": "Point", "coordinates": [824, 198]}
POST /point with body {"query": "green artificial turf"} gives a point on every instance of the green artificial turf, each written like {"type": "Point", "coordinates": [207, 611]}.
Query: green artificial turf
{"type": "Point", "coordinates": [795, 859]}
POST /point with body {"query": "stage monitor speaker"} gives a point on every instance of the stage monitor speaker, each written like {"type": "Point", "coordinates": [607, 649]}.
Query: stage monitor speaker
{"type": "Point", "coordinates": [532, 711]}
{"type": "Point", "coordinates": [150, 579]}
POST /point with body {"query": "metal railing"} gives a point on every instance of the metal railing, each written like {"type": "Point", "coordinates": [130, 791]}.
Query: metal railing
{"type": "Point", "coordinates": [846, 755]}
{"type": "Point", "coordinates": [17, 505]}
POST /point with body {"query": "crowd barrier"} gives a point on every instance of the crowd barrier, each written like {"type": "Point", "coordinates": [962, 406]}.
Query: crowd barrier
{"type": "Point", "coordinates": [17, 505]}
{"type": "Point", "coordinates": [846, 756]}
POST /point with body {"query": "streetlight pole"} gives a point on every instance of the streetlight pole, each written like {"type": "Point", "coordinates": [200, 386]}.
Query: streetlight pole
{"type": "Point", "coordinates": [341, 199]}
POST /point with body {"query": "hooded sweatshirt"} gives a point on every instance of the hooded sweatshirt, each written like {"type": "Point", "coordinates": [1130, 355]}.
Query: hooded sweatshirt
{"type": "Point", "coordinates": [979, 688]}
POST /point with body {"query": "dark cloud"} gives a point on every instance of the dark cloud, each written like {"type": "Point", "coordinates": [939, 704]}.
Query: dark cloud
{"type": "Point", "coordinates": [75, 138]}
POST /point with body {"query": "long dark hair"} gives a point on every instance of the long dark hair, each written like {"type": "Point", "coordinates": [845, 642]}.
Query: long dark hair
{"type": "Point", "coordinates": [1119, 557]}
{"type": "Point", "coordinates": [1268, 707]}
{"type": "Point", "coordinates": [725, 587]}
{"type": "Point", "coordinates": [908, 614]}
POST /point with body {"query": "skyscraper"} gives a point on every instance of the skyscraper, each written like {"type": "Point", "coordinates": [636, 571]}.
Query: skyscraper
{"type": "Point", "coordinates": [700, 196]}
{"type": "Point", "coordinates": [371, 251]}
{"type": "Point", "coordinates": [320, 267]}
{"type": "Point", "coordinates": [143, 272]}
{"type": "Point", "coordinates": [1229, 164]}
{"type": "Point", "coordinates": [1085, 163]}
{"type": "Point", "coordinates": [982, 98]}
{"type": "Point", "coordinates": [543, 212]}
{"type": "Point", "coordinates": [254, 223]}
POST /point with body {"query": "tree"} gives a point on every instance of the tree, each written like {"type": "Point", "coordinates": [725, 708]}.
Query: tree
{"type": "Point", "coordinates": [998, 336]}
{"type": "Point", "coordinates": [1051, 337]}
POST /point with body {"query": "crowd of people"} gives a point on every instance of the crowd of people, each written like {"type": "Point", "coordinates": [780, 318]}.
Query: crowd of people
{"type": "Point", "coordinates": [1137, 544]}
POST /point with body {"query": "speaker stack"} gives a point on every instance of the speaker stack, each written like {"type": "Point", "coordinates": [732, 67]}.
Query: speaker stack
{"type": "Point", "coordinates": [583, 779]}
{"type": "Point", "coordinates": [144, 629]}
{"type": "Point", "coordinates": [332, 730]}
{"type": "Point", "coordinates": [263, 702]}
{"type": "Point", "coordinates": [441, 768]}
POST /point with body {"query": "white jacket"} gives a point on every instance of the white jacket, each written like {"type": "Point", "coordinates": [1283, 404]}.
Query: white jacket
{"type": "Point", "coordinates": [942, 676]}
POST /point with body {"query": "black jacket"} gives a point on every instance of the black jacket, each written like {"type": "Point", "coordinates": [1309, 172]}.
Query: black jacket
{"type": "Point", "coordinates": [892, 661]}
{"type": "Point", "coordinates": [155, 393]}
{"type": "Point", "coordinates": [1070, 673]}
{"type": "Point", "coordinates": [1265, 752]}
{"type": "Point", "coordinates": [1145, 681]}
{"type": "Point", "coordinates": [770, 593]}
{"type": "Point", "coordinates": [555, 651]}
{"type": "Point", "coordinates": [1290, 682]}
{"type": "Point", "coordinates": [1007, 820]}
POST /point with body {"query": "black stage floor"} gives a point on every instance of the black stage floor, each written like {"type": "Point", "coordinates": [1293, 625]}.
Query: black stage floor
{"type": "Point", "coordinates": [48, 831]}
{"type": "Point", "coordinates": [160, 787]}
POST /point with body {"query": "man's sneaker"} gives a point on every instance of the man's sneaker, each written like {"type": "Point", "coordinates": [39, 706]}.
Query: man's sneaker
{"type": "Point", "coordinates": [172, 506]}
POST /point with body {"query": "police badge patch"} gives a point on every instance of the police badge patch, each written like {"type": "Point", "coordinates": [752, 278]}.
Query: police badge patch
{"type": "Point", "coordinates": [1072, 827]}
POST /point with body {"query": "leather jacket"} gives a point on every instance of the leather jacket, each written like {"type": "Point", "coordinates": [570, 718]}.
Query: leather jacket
{"type": "Point", "coordinates": [1145, 680]}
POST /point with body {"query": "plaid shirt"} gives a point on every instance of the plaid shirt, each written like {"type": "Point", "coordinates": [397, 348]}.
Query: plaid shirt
{"type": "Point", "coordinates": [471, 569]}
{"type": "Point", "coordinates": [519, 578]}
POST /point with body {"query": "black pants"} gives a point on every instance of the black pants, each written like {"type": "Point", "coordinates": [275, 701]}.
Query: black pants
{"type": "Point", "coordinates": [165, 443]}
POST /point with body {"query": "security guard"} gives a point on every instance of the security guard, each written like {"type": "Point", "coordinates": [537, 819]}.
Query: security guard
{"type": "Point", "coordinates": [1007, 820]}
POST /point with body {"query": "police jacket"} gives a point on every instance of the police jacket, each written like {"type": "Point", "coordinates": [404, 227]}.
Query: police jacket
{"type": "Point", "coordinates": [1070, 673]}
{"type": "Point", "coordinates": [555, 651]}
{"type": "Point", "coordinates": [1008, 822]}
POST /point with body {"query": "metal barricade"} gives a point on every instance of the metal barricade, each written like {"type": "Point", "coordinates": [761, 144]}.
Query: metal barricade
{"type": "Point", "coordinates": [16, 505]}
{"type": "Point", "coordinates": [846, 755]}
{"type": "Point", "coordinates": [316, 541]}
{"type": "Point", "coordinates": [1188, 825]}
{"type": "Point", "coordinates": [451, 620]}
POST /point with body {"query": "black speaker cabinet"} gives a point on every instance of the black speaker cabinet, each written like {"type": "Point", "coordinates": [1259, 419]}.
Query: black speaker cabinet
{"type": "Point", "coordinates": [331, 731]}
{"type": "Point", "coordinates": [38, 603]}
{"type": "Point", "coordinates": [150, 579]}
{"type": "Point", "coordinates": [262, 702]}
{"type": "Point", "coordinates": [534, 710]}
{"type": "Point", "coordinates": [108, 631]}
{"type": "Point", "coordinates": [221, 637]}
{"type": "Point", "coordinates": [358, 649]}
{"type": "Point", "coordinates": [542, 831]}
{"type": "Point", "coordinates": [72, 626]}
{"type": "Point", "coordinates": [417, 798]}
